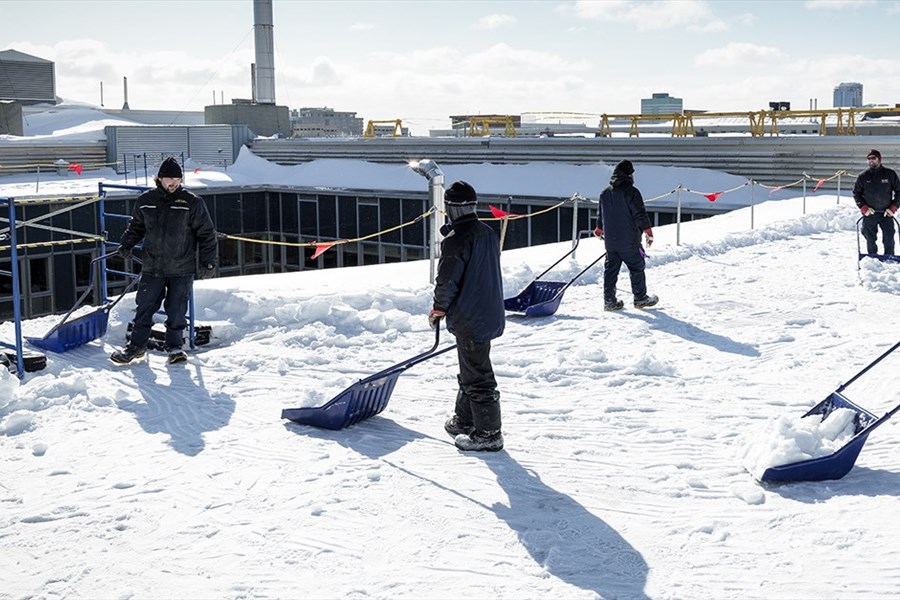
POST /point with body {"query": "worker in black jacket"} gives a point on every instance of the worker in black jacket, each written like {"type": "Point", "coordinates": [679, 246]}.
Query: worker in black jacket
{"type": "Point", "coordinates": [172, 223]}
{"type": "Point", "coordinates": [469, 292]}
{"type": "Point", "coordinates": [877, 194]}
{"type": "Point", "coordinates": [621, 219]}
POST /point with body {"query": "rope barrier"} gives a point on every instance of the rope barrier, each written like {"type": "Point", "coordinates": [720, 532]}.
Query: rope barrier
{"type": "Point", "coordinates": [322, 246]}
{"type": "Point", "coordinates": [331, 242]}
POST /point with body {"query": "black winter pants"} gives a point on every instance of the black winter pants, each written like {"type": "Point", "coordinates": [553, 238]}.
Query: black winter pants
{"type": "Point", "coordinates": [151, 292]}
{"type": "Point", "coordinates": [478, 401]}
{"type": "Point", "coordinates": [870, 227]}
{"type": "Point", "coordinates": [634, 260]}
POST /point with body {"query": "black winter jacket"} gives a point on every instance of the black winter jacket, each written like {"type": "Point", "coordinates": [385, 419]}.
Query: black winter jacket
{"type": "Point", "coordinates": [171, 226]}
{"type": "Point", "coordinates": [469, 285]}
{"type": "Point", "coordinates": [877, 188]}
{"type": "Point", "coordinates": [622, 215]}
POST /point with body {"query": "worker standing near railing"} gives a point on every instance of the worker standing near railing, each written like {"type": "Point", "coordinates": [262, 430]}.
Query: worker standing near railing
{"type": "Point", "coordinates": [877, 194]}
{"type": "Point", "coordinates": [172, 223]}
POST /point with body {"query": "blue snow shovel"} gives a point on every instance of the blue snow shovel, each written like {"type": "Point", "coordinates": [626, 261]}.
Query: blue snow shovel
{"type": "Point", "coordinates": [839, 463]}
{"type": "Point", "coordinates": [67, 334]}
{"type": "Point", "coordinates": [365, 398]}
{"type": "Point", "coordinates": [542, 298]}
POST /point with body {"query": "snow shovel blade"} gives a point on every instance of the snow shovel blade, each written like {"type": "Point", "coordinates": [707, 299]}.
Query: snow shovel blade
{"type": "Point", "coordinates": [838, 463]}
{"type": "Point", "coordinates": [540, 298]}
{"type": "Point", "coordinates": [365, 398]}
{"type": "Point", "coordinates": [74, 333]}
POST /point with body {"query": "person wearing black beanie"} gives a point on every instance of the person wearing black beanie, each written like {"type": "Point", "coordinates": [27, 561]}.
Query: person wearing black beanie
{"type": "Point", "coordinates": [621, 219]}
{"type": "Point", "coordinates": [468, 291]}
{"type": "Point", "coordinates": [877, 195]}
{"type": "Point", "coordinates": [171, 224]}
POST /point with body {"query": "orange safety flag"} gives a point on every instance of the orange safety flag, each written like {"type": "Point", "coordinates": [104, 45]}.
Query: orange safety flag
{"type": "Point", "coordinates": [775, 189]}
{"type": "Point", "coordinates": [196, 169]}
{"type": "Point", "coordinates": [713, 197]}
{"type": "Point", "coordinates": [75, 167]}
{"type": "Point", "coordinates": [320, 249]}
{"type": "Point", "coordinates": [818, 185]}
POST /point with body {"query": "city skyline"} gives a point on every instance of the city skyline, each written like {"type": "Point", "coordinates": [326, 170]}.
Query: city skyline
{"type": "Point", "coordinates": [421, 62]}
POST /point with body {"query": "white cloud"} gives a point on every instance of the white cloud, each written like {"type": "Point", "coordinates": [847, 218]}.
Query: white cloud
{"type": "Point", "coordinates": [362, 27]}
{"type": "Point", "coordinates": [740, 54]}
{"type": "Point", "coordinates": [838, 4]}
{"type": "Point", "coordinates": [494, 21]}
{"type": "Point", "coordinates": [695, 15]}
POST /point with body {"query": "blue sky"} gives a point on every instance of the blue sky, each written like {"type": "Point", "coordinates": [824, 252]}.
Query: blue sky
{"type": "Point", "coordinates": [423, 61]}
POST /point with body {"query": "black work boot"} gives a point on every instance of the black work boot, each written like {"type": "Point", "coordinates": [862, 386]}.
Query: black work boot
{"type": "Point", "coordinates": [454, 426]}
{"type": "Point", "coordinates": [127, 354]}
{"type": "Point", "coordinates": [480, 441]}
{"type": "Point", "coordinates": [175, 355]}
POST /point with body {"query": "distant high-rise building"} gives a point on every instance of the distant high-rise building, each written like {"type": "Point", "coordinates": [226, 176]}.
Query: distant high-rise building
{"type": "Point", "coordinates": [848, 94]}
{"type": "Point", "coordinates": [662, 103]}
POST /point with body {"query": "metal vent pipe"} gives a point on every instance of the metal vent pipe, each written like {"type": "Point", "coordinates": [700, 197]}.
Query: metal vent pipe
{"type": "Point", "coordinates": [264, 40]}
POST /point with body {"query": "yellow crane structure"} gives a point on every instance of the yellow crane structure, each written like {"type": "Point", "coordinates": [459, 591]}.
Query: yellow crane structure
{"type": "Point", "coordinates": [481, 126]}
{"type": "Point", "coordinates": [683, 125]}
{"type": "Point", "coordinates": [397, 123]}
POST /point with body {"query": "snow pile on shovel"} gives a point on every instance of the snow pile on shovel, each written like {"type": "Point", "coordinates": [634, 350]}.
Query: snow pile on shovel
{"type": "Point", "coordinates": [784, 441]}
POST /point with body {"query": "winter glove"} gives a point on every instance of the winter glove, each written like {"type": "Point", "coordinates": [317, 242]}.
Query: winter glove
{"type": "Point", "coordinates": [648, 235]}
{"type": "Point", "coordinates": [434, 317]}
{"type": "Point", "coordinates": [866, 211]}
{"type": "Point", "coordinates": [891, 211]}
{"type": "Point", "coordinates": [206, 271]}
{"type": "Point", "coordinates": [598, 232]}
{"type": "Point", "coordinates": [124, 251]}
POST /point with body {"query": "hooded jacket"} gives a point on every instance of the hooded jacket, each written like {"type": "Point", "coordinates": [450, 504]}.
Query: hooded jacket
{"type": "Point", "coordinates": [469, 285]}
{"type": "Point", "coordinates": [172, 226]}
{"type": "Point", "coordinates": [622, 215]}
{"type": "Point", "coordinates": [877, 188]}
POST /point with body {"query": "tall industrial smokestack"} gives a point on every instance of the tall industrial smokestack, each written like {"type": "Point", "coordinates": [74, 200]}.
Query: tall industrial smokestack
{"type": "Point", "coordinates": [125, 83]}
{"type": "Point", "coordinates": [264, 38]}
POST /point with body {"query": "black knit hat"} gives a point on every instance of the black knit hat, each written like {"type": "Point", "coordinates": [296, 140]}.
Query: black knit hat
{"type": "Point", "coordinates": [625, 167]}
{"type": "Point", "coordinates": [460, 193]}
{"type": "Point", "coordinates": [874, 153]}
{"type": "Point", "coordinates": [170, 168]}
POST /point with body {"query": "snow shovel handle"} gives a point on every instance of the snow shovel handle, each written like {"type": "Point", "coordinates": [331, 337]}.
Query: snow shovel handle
{"type": "Point", "coordinates": [87, 290]}
{"type": "Point", "coordinates": [872, 364]}
{"type": "Point", "coordinates": [430, 353]}
{"type": "Point", "coordinates": [566, 255]}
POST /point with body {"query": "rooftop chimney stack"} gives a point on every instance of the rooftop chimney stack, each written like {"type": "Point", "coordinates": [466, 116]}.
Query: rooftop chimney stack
{"type": "Point", "coordinates": [125, 83]}
{"type": "Point", "coordinates": [264, 40]}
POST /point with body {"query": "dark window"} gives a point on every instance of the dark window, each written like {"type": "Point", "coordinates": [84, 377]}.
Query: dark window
{"type": "Point", "coordinates": [368, 220]}
{"type": "Point", "coordinates": [348, 228]}
{"type": "Point", "coordinates": [309, 219]}
{"type": "Point", "coordinates": [253, 211]}
{"type": "Point", "coordinates": [390, 217]}
{"type": "Point", "coordinates": [327, 216]}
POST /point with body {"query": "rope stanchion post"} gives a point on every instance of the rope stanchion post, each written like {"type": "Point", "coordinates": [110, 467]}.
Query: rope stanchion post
{"type": "Point", "coordinates": [432, 172]}
{"type": "Point", "coordinates": [575, 198]}
{"type": "Point", "coordinates": [805, 177]}
{"type": "Point", "coordinates": [678, 215]}
{"type": "Point", "coordinates": [838, 187]}
{"type": "Point", "coordinates": [752, 202]}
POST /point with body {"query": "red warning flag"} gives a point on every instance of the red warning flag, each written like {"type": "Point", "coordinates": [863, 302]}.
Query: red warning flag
{"type": "Point", "coordinates": [75, 167]}
{"type": "Point", "coordinates": [320, 249]}
{"type": "Point", "coordinates": [713, 197]}
{"type": "Point", "coordinates": [196, 169]}
{"type": "Point", "coordinates": [818, 185]}
{"type": "Point", "coordinates": [500, 213]}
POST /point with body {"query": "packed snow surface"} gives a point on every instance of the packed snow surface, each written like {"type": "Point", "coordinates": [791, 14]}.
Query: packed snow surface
{"type": "Point", "coordinates": [623, 475]}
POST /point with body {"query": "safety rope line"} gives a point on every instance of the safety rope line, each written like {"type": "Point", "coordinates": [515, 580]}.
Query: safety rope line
{"type": "Point", "coordinates": [324, 245]}
{"type": "Point", "coordinates": [428, 213]}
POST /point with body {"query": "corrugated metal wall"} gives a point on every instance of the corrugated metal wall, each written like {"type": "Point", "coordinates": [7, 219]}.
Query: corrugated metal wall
{"type": "Point", "coordinates": [28, 81]}
{"type": "Point", "coordinates": [772, 160]}
{"type": "Point", "coordinates": [215, 145]}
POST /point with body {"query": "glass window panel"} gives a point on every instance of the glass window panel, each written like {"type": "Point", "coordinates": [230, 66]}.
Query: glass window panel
{"type": "Point", "coordinates": [309, 219]}
{"type": "Point", "coordinates": [348, 229]}
{"type": "Point", "coordinates": [327, 216]}
{"type": "Point", "coordinates": [390, 217]}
